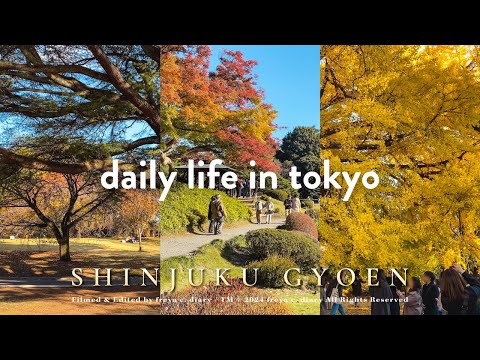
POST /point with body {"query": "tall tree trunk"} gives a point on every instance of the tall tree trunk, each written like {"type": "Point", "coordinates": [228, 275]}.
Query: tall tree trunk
{"type": "Point", "coordinates": [65, 250]}
{"type": "Point", "coordinates": [140, 240]}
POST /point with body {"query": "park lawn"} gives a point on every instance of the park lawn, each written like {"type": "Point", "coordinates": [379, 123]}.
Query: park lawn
{"type": "Point", "coordinates": [213, 256]}
{"type": "Point", "coordinates": [39, 257]}
{"type": "Point", "coordinates": [59, 301]}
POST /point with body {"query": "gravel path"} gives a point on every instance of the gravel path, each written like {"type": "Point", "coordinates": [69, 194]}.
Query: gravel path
{"type": "Point", "coordinates": [177, 245]}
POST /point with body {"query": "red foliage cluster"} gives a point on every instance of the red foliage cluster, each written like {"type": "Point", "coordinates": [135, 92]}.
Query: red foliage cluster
{"type": "Point", "coordinates": [181, 303]}
{"type": "Point", "coordinates": [240, 149]}
{"type": "Point", "coordinates": [302, 222]}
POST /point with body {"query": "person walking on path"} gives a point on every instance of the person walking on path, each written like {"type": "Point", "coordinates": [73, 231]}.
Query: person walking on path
{"type": "Point", "coordinates": [460, 292]}
{"type": "Point", "coordinates": [325, 305]}
{"type": "Point", "coordinates": [239, 187]}
{"type": "Point", "coordinates": [258, 209]}
{"type": "Point", "coordinates": [335, 293]}
{"type": "Point", "coordinates": [219, 214]}
{"type": "Point", "coordinates": [380, 295]}
{"type": "Point", "coordinates": [357, 287]}
{"type": "Point", "coordinates": [413, 304]}
{"type": "Point", "coordinates": [430, 293]}
{"type": "Point", "coordinates": [288, 203]}
{"type": "Point", "coordinates": [246, 188]}
{"type": "Point", "coordinates": [297, 205]}
{"type": "Point", "coordinates": [211, 227]}
{"type": "Point", "coordinates": [269, 210]}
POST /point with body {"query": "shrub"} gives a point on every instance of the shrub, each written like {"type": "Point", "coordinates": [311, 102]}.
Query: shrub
{"type": "Point", "coordinates": [186, 208]}
{"type": "Point", "coordinates": [313, 213]}
{"type": "Point", "coordinates": [309, 204]}
{"type": "Point", "coordinates": [304, 251]}
{"type": "Point", "coordinates": [302, 222]}
{"type": "Point", "coordinates": [271, 271]}
{"type": "Point", "coordinates": [179, 303]}
{"type": "Point", "coordinates": [278, 194]}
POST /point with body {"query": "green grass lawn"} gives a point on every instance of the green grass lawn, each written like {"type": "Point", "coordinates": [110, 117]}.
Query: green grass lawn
{"type": "Point", "coordinates": [216, 255]}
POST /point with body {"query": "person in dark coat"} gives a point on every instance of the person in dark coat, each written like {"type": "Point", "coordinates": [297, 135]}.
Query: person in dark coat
{"type": "Point", "coordinates": [460, 292]}
{"type": "Point", "coordinates": [395, 304]}
{"type": "Point", "coordinates": [380, 295]}
{"type": "Point", "coordinates": [430, 293]}
{"type": "Point", "coordinates": [357, 287]}
{"type": "Point", "coordinates": [211, 227]}
{"type": "Point", "coordinates": [324, 304]}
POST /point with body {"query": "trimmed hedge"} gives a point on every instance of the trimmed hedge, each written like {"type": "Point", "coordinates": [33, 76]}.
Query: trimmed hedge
{"type": "Point", "coordinates": [271, 271]}
{"type": "Point", "coordinates": [264, 243]}
{"type": "Point", "coordinates": [278, 194]}
{"type": "Point", "coordinates": [309, 204]}
{"type": "Point", "coordinates": [186, 208]}
{"type": "Point", "coordinates": [302, 222]}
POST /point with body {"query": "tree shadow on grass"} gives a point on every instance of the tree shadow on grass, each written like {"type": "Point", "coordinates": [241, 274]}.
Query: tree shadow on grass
{"type": "Point", "coordinates": [235, 251]}
{"type": "Point", "coordinates": [46, 263]}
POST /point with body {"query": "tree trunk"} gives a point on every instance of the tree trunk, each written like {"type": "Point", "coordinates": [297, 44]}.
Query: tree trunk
{"type": "Point", "coordinates": [65, 250]}
{"type": "Point", "coordinates": [140, 241]}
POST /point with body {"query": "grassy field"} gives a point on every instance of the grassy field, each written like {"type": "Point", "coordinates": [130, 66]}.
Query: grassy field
{"type": "Point", "coordinates": [216, 255]}
{"type": "Point", "coordinates": [39, 257]}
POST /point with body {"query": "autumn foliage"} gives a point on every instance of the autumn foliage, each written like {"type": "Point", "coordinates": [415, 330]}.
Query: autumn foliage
{"type": "Point", "coordinates": [412, 114]}
{"type": "Point", "coordinates": [302, 222]}
{"type": "Point", "coordinates": [220, 112]}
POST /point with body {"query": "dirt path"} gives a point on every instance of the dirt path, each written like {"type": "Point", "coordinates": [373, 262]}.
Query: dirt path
{"type": "Point", "coordinates": [185, 244]}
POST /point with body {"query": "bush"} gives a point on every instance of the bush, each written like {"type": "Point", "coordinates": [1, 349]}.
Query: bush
{"type": "Point", "coordinates": [302, 222]}
{"type": "Point", "coordinates": [309, 204]}
{"type": "Point", "coordinates": [180, 303]}
{"type": "Point", "coordinates": [313, 213]}
{"type": "Point", "coordinates": [186, 208]}
{"type": "Point", "coordinates": [264, 243]}
{"type": "Point", "coordinates": [271, 271]}
{"type": "Point", "coordinates": [278, 194]}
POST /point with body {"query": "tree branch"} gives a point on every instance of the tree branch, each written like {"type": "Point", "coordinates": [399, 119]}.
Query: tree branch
{"type": "Point", "coordinates": [116, 78]}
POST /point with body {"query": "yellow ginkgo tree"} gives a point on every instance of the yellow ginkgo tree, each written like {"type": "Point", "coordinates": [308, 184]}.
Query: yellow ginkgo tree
{"type": "Point", "coordinates": [412, 114]}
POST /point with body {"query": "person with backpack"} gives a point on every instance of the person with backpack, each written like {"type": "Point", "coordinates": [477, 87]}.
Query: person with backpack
{"type": "Point", "coordinates": [413, 304]}
{"type": "Point", "coordinates": [460, 292]}
{"type": "Point", "coordinates": [219, 214]}
{"type": "Point", "coordinates": [288, 203]}
{"type": "Point", "coordinates": [335, 293]}
{"type": "Point", "coordinates": [258, 209]}
{"type": "Point", "coordinates": [380, 295]}
{"type": "Point", "coordinates": [430, 294]}
{"type": "Point", "coordinates": [269, 210]}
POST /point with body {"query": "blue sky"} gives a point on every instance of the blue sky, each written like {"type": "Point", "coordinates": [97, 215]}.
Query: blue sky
{"type": "Point", "coordinates": [290, 76]}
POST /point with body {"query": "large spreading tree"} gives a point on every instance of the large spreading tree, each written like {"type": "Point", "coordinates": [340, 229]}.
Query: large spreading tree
{"type": "Point", "coordinates": [411, 113]}
{"type": "Point", "coordinates": [71, 109]}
